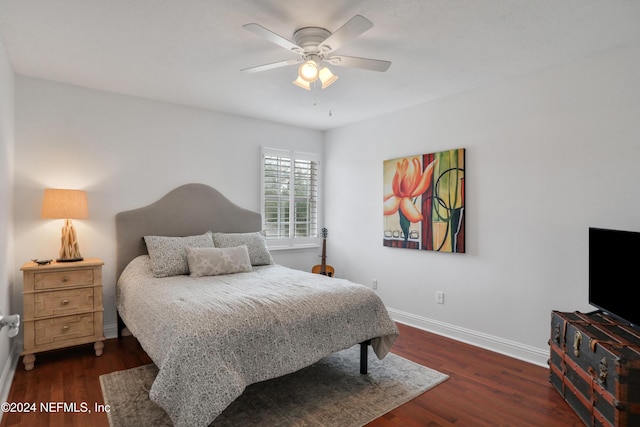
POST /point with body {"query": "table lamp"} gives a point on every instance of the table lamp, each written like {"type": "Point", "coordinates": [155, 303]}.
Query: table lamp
{"type": "Point", "coordinates": [66, 204]}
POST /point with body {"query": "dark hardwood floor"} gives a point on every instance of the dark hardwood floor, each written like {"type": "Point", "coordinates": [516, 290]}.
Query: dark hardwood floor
{"type": "Point", "coordinates": [484, 388]}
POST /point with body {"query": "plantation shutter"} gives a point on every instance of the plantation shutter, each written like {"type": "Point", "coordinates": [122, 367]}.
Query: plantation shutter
{"type": "Point", "coordinates": [290, 197]}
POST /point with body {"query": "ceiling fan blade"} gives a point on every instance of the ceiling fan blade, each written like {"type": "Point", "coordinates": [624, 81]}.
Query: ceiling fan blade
{"type": "Point", "coordinates": [272, 37]}
{"type": "Point", "coordinates": [271, 66]}
{"type": "Point", "coordinates": [355, 62]}
{"type": "Point", "coordinates": [352, 29]}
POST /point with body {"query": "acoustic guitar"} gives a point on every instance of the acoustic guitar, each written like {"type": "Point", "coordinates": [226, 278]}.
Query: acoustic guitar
{"type": "Point", "coordinates": [323, 268]}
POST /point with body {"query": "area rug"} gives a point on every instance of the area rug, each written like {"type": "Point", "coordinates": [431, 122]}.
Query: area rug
{"type": "Point", "coordinates": [329, 393]}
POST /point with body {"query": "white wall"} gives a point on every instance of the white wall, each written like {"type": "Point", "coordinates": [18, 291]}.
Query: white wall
{"type": "Point", "coordinates": [127, 152]}
{"type": "Point", "coordinates": [547, 156]}
{"type": "Point", "coordinates": [6, 203]}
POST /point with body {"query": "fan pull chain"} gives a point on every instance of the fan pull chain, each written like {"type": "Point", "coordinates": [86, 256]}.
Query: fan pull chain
{"type": "Point", "coordinates": [315, 85]}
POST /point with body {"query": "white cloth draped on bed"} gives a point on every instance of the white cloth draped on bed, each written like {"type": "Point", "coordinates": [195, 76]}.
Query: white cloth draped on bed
{"type": "Point", "coordinates": [212, 336]}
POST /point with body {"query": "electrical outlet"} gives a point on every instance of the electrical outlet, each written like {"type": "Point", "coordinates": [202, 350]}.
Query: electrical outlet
{"type": "Point", "coordinates": [375, 284]}
{"type": "Point", "coordinates": [440, 297]}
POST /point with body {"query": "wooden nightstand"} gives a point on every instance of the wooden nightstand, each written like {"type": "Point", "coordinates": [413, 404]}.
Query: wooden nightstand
{"type": "Point", "coordinates": [62, 306]}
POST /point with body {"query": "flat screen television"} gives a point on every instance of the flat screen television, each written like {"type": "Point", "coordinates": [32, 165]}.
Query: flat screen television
{"type": "Point", "coordinates": [614, 259]}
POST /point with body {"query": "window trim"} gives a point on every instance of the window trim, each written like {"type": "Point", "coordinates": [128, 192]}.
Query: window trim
{"type": "Point", "coordinates": [291, 242]}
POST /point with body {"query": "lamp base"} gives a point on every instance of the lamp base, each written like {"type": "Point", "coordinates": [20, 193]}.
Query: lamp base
{"type": "Point", "coordinates": [69, 259]}
{"type": "Point", "coordinates": [69, 250]}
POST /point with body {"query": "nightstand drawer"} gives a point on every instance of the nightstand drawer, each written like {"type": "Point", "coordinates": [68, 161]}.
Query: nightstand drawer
{"type": "Point", "coordinates": [60, 279]}
{"type": "Point", "coordinates": [69, 301]}
{"type": "Point", "coordinates": [51, 331]}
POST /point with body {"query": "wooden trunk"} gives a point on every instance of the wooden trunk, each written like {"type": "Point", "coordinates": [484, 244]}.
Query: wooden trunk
{"type": "Point", "coordinates": [595, 365]}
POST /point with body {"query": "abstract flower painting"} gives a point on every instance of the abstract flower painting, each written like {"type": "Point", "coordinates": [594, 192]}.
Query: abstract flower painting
{"type": "Point", "coordinates": [424, 201]}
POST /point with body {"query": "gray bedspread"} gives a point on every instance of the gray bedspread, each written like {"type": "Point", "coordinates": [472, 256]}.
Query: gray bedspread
{"type": "Point", "coordinates": [212, 336]}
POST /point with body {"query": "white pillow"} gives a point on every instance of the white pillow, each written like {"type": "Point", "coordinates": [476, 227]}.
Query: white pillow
{"type": "Point", "coordinates": [255, 243]}
{"type": "Point", "coordinates": [167, 254]}
{"type": "Point", "coordinates": [216, 261]}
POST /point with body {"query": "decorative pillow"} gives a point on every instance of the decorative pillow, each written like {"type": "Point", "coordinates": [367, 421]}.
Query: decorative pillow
{"type": "Point", "coordinates": [255, 243]}
{"type": "Point", "coordinates": [168, 257]}
{"type": "Point", "coordinates": [216, 261]}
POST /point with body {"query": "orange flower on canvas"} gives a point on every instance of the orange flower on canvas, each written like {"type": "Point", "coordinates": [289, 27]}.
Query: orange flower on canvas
{"type": "Point", "coordinates": [408, 182]}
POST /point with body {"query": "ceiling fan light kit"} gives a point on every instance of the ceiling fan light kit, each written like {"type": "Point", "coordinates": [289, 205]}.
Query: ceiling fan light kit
{"type": "Point", "coordinates": [308, 71]}
{"type": "Point", "coordinates": [314, 45]}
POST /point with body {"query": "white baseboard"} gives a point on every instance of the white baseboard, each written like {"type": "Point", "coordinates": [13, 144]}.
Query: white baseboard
{"type": "Point", "coordinates": [514, 349]}
{"type": "Point", "coordinates": [111, 331]}
{"type": "Point", "coordinates": [8, 370]}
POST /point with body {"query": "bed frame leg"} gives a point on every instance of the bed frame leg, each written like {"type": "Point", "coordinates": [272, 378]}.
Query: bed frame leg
{"type": "Point", "coordinates": [121, 325]}
{"type": "Point", "coordinates": [364, 357]}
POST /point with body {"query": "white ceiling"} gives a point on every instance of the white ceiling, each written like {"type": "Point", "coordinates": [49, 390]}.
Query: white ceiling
{"type": "Point", "coordinates": [191, 51]}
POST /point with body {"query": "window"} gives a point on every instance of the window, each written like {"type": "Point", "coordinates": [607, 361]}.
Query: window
{"type": "Point", "coordinates": [289, 197]}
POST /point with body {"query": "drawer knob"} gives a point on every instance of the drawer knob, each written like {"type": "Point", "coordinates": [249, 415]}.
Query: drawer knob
{"type": "Point", "coordinates": [65, 278]}
{"type": "Point", "coordinates": [65, 301]}
{"type": "Point", "coordinates": [65, 328]}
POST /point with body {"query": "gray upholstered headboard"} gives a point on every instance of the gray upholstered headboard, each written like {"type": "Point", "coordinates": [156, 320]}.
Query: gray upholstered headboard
{"type": "Point", "coordinates": [186, 211]}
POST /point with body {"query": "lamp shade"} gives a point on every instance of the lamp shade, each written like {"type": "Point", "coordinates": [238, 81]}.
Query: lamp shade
{"type": "Point", "coordinates": [64, 204]}
{"type": "Point", "coordinates": [301, 83]}
{"type": "Point", "coordinates": [327, 77]}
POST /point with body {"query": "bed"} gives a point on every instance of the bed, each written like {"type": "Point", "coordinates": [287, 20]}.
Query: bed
{"type": "Point", "coordinates": [213, 330]}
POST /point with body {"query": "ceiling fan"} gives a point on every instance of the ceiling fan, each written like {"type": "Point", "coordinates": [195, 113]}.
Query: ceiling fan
{"type": "Point", "coordinates": [315, 45]}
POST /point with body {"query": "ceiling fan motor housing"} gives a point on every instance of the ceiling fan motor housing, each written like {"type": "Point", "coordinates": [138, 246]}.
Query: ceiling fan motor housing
{"type": "Point", "coordinates": [309, 39]}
